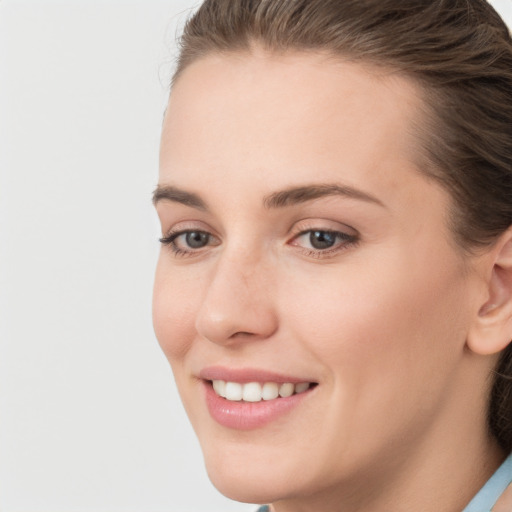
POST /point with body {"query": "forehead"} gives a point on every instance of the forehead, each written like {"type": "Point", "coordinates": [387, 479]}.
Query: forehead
{"type": "Point", "coordinates": [282, 117]}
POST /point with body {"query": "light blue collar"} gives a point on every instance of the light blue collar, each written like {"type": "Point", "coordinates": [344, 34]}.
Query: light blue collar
{"type": "Point", "coordinates": [492, 490]}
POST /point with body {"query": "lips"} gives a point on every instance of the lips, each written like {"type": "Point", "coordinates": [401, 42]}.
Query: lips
{"type": "Point", "coordinates": [245, 399]}
{"type": "Point", "coordinates": [243, 375]}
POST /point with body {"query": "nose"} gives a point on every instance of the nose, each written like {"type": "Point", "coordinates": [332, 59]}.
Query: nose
{"type": "Point", "coordinates": [238, 304]}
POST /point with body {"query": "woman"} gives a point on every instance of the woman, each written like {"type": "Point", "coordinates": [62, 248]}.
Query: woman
{"type": "Point", "coordinates": [334, 290]}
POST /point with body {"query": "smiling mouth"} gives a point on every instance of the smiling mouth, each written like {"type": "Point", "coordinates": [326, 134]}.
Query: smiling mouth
{"type": "Point", "coordinates": [257, 391]}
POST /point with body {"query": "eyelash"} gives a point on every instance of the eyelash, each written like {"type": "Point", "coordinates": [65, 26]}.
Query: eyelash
{"type": "Point", "coordinates": [170, 241]}
{"type": "Point", "coordinates": [343, 241]}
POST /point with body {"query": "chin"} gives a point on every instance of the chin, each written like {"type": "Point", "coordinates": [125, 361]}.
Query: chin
{"type": "Point", "coordinates": [249, 487]}
{"type": "Point", "coordinates": [250, 479]}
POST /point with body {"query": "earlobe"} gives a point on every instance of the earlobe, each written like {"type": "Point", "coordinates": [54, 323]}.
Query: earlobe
{"type": "Point", "coordinates": [491, 331]}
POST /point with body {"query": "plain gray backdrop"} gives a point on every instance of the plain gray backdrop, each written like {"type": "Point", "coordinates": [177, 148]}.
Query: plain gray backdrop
{"type": "Point", "coordinates": [90, 419]}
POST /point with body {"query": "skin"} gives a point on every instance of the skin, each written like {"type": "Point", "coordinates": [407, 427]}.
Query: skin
{"type": "Point", "coordinates": [504, 503]}
{"type": "Point", "coordinates": [380, 323]}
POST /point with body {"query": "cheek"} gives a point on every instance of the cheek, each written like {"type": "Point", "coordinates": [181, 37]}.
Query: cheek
{"type": "Point", "coordinates": [387, 341]}
{"type": "Point", "coordinates": [399, 328]}
{"type": "Point", "coordinates": [173, 311]}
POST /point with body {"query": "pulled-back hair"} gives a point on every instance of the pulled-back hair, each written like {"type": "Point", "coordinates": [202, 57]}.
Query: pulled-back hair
{"type": "Point", "coordinates": [460, 54]}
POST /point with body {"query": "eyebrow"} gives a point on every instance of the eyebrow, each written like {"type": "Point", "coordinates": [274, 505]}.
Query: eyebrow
{"type": "Point", "coordinates": [297, 195]}
{"type": "Point", "coordinates": [280, 199]}
{"type": "Point", "coordinates": [178, 195]}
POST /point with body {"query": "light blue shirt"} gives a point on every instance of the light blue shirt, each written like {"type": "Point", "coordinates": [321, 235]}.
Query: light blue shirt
{"type": "Point", "coordinates": [488, 494]}
{"type": "Point", "coordinates": [493, 489]}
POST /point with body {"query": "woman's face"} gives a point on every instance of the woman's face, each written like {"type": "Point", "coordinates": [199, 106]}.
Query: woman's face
{"type": "Point", "coordinates": [303, 247]}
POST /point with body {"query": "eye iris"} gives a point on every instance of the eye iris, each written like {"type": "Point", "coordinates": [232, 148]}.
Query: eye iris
{"type": "Point", "coordinates": [322, 239]}
{"type": "Point", "coordinates": [196, 239]}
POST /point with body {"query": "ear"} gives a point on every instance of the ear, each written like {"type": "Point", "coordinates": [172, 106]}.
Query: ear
{"type": "Point", "coordinates": [491, 330]}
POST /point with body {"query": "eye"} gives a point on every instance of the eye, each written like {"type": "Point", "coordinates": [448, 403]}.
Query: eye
{"type": "Point", "coordinates": [196, 239]}
{"type": "Point", "coordinates": [322, 239]}
{"type": "Point", "coordinates": [323, 242]}
{"type": "Point", "coordinates": [189, 241]}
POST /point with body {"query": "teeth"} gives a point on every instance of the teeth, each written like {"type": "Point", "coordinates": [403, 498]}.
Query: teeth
{"type": "Point", "coordinates": [251, 392]}
{"type": "Point", "coordinates": [255, 392]}
{"type": "Point", "coordinates": [270, 391]}
{"type": "Point", "coordinates": [234, 391]}
{"type": "Point", "coordinates": [300, 388]}
{"type": "Point", "coordinates": [286, 390]}
{"type": "Point", "coordinates": [220, 387]}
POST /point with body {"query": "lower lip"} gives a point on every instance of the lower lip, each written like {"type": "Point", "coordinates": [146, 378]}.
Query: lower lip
{"type": "Point", "coordinates": [249, 415]}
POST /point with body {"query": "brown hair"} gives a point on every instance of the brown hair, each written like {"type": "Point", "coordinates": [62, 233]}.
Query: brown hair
{"type": "Point", "coordinates": [459, 51]}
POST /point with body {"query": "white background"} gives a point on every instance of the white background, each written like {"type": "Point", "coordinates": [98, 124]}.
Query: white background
{"type": "Point", "coordinates": [90, 419]}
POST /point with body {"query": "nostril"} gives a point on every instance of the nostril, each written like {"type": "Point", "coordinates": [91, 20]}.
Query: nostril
{"type": "Point", "coordinates": [242, 334]}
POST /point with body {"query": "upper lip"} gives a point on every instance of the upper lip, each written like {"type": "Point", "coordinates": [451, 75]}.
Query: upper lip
{"type": "Point", "coordinates": [244, 375]}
